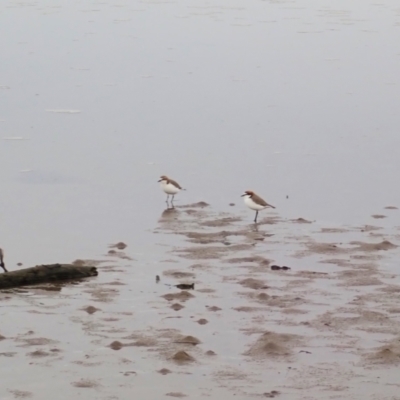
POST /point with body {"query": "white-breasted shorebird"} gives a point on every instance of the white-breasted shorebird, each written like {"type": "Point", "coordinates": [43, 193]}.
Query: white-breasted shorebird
{"type": "Point", "coordinates": [255, 202]}
{"type": "Point", "coordinates": [170, 187]}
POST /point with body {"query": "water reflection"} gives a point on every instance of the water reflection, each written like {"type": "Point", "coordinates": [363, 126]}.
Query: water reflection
{"type": "Point", "coordinates": [170, 213]}
{"type": "Point", "coordinates": [254, 227]}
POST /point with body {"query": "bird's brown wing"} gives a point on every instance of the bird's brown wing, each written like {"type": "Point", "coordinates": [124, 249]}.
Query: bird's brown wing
{"type": "Point", "coordinates": [260, 201]}
{"type": "Point", "coordinates": [176, 184]}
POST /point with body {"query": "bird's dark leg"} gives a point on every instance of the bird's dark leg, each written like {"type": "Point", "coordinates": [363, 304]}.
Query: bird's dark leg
{"type": "Point", "coordinates": [255, 219]}
{"type": "Point", "coordinates": [172, 201]}
{"type": "Point", "coordinates": [167, 198]}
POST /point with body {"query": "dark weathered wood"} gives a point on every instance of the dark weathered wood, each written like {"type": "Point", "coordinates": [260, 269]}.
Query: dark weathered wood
{"type": "Point", "coordinates": [44, 274]}
{"type": "Point", "coordinates": [2, 265]}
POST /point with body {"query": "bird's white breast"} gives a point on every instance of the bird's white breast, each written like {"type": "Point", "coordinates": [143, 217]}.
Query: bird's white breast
{"type": "Point", "coordinates": [251, 204]}
{"type": "Point", "coordinates": [169, 188]}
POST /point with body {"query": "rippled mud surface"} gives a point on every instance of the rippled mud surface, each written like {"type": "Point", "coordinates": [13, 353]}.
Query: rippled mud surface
{"type": "Point", "coordinates": [329, 324]}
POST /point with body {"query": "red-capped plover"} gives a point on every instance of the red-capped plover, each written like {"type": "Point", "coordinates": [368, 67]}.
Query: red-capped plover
{"type": "Point", "coordinates": [255, 202]}
{"type": "Point", "coordinates": [170, 187]}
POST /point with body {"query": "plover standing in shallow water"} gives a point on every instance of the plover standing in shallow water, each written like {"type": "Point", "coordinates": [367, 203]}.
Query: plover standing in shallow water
{"type": "Point", "coordinates": [170, 187]}
{"type": "Point", "coordinates": [255, 202]}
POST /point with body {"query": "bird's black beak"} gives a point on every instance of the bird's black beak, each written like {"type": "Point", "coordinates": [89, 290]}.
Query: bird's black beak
{"type": "Point", "coordinates": [159, 180]}
{"type": "Point", "coordinates": [244, 194]}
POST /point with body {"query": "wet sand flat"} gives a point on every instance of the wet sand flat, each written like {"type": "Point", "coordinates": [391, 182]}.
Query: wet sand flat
{"type": "Point", "coordinates": [325, 324]}
{"type": "Point", "coordinates": [297, 102]}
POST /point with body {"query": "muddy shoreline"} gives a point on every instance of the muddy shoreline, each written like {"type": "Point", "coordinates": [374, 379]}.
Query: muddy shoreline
{"type": "Point", "coordinates": [244, 324]}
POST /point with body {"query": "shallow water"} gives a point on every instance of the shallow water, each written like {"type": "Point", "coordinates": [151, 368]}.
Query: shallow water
{"type": "Point", "coordinates": [298, 102]}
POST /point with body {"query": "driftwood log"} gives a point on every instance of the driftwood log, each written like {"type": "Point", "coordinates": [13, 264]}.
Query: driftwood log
{"type": "Point", "coordinates": [44, 274]}
{"type": "Point", "coordinates": [2, 265]}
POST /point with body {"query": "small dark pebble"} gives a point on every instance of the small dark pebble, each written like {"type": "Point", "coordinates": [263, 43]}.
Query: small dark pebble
{"type": "Point", "coordinates": [157, 279]}
{"type": "Point", "coordinates": [185, 286]}
{"type": "Point", "coordinates": [278, 268]}
{"type": "Point", "coordinates": [116, 345]}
